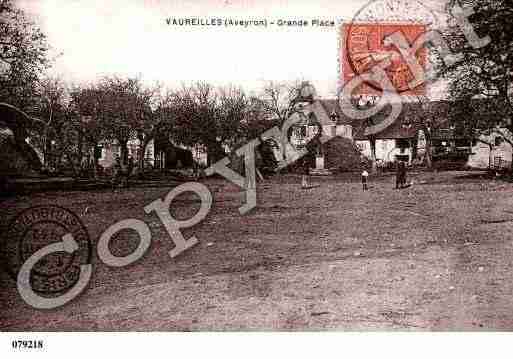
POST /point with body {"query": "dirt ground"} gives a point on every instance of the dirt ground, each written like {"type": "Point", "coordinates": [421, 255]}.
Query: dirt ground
{"type": "Point", "coordinates": [435, 256]}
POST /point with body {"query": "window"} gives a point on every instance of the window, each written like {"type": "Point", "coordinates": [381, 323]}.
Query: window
{"type": "Point", "coordinates": [402, 143]}
{"type": "Point", "coordinates": [300, 132]}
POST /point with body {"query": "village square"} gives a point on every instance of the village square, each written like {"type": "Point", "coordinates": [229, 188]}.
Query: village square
{"type": "Point", "coordinates": [135, 205]}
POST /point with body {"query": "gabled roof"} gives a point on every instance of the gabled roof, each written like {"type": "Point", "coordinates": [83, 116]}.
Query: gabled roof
{"type": "Point", "coordinates": [406, 125]}
{"type": "Point", "coordinates": [323, 110]}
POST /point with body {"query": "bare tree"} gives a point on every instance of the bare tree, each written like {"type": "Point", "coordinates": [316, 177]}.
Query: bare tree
{"type": "Point", "coordinates": [158, 119]}
{"type": "Point", "coordinates": [124, 104]}
{"type": "Point", "coordinates": [50, 109]}
{"type": "Point", "coordinates": [281, 100]}
{"type": "Point", "coordinates": [211, 117]}
{"type": "Point", "coordinates": [86, 121]}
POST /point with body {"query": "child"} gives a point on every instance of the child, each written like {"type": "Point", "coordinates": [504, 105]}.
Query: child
{"type": "Point", "coordinates": [306, 171]}
{"type": "Point", "coordinates": [365, 174]}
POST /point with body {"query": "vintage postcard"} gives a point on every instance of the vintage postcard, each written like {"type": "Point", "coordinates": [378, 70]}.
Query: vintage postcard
{"type": "Point", "coordinates": [239, 165]}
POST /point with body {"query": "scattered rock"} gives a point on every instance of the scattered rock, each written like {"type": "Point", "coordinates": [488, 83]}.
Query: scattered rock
{"type": "Point", "coordinates": [210, 244]}
{"type": "Point", "coordinates": [451, 288]}
{"type": "Point", "coordinates": [480, 269]}
{"type": "Point", "coordinates": [315, 314]}
{"type": "Point", "coordinates": [357, 254]}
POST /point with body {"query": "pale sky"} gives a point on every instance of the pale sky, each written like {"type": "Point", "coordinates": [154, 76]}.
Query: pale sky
{"type": "Point", "coordinates": [130, 37]}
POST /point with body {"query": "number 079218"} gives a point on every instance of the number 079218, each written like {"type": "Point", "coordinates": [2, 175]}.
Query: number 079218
{"type": "Point", "coordinates": [27, 344]}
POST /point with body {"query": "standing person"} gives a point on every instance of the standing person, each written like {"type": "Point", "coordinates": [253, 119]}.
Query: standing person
{"type": "Point", "coordinates": [306, 172]}
{"type": "Point", "coordinates": [403, 177]}
{"type": "Point", "coordinates": [365, 175]}
{"type": "Point", "coordinates": [400, 176]}
{"type": "Point", "coordinates": [129, 170]}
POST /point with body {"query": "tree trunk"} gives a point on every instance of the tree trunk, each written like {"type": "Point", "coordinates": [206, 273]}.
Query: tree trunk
{"type": "Point", "coordinates": [46, 152]}
{"type": "Point", "coordinates": [74, 168]}
{"type": "Point", "coordinates": [428, 156]}
{"type": "Point", "coordinates": [142, 152]}
{"type": "Point", "coordinates": [374, 168]}
{"type": "Point", "coordinates": [123, 145]}
{"type": "Point", "coordinates": [80, 152]}
{"type": "Point", "coordinates": [95, 162]}
{"type": "Point", "coordinates": [490, 148]}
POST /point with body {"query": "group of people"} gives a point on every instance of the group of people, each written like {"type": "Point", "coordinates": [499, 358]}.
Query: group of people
{"type": "Point", "coordinates": [400, 176]}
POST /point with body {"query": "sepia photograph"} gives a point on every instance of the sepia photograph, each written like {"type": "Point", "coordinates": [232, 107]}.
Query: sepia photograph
{"type": "Point", "coordinates": [282, 167]}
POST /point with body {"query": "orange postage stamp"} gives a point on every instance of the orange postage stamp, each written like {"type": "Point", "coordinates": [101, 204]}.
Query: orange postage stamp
{"type": "Point", "coordinates": [363, 46]}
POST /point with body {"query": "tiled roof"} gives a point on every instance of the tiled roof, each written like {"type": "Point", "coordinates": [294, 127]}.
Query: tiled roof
{"type": "Point", "coordinates": [406, 125]}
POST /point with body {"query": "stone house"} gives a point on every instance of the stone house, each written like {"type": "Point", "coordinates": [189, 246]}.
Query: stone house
{"type": "Point", "coordinates": [327, 113]}
{"type": "Point", "coordinates": [491, 151]}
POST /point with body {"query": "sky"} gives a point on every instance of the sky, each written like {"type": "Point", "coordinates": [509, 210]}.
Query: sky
{"type": "Point", "coordinates": [131, 37]}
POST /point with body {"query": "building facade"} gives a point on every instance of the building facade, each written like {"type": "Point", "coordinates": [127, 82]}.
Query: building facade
{"type": "Point", "coordinates": [492, 151]}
